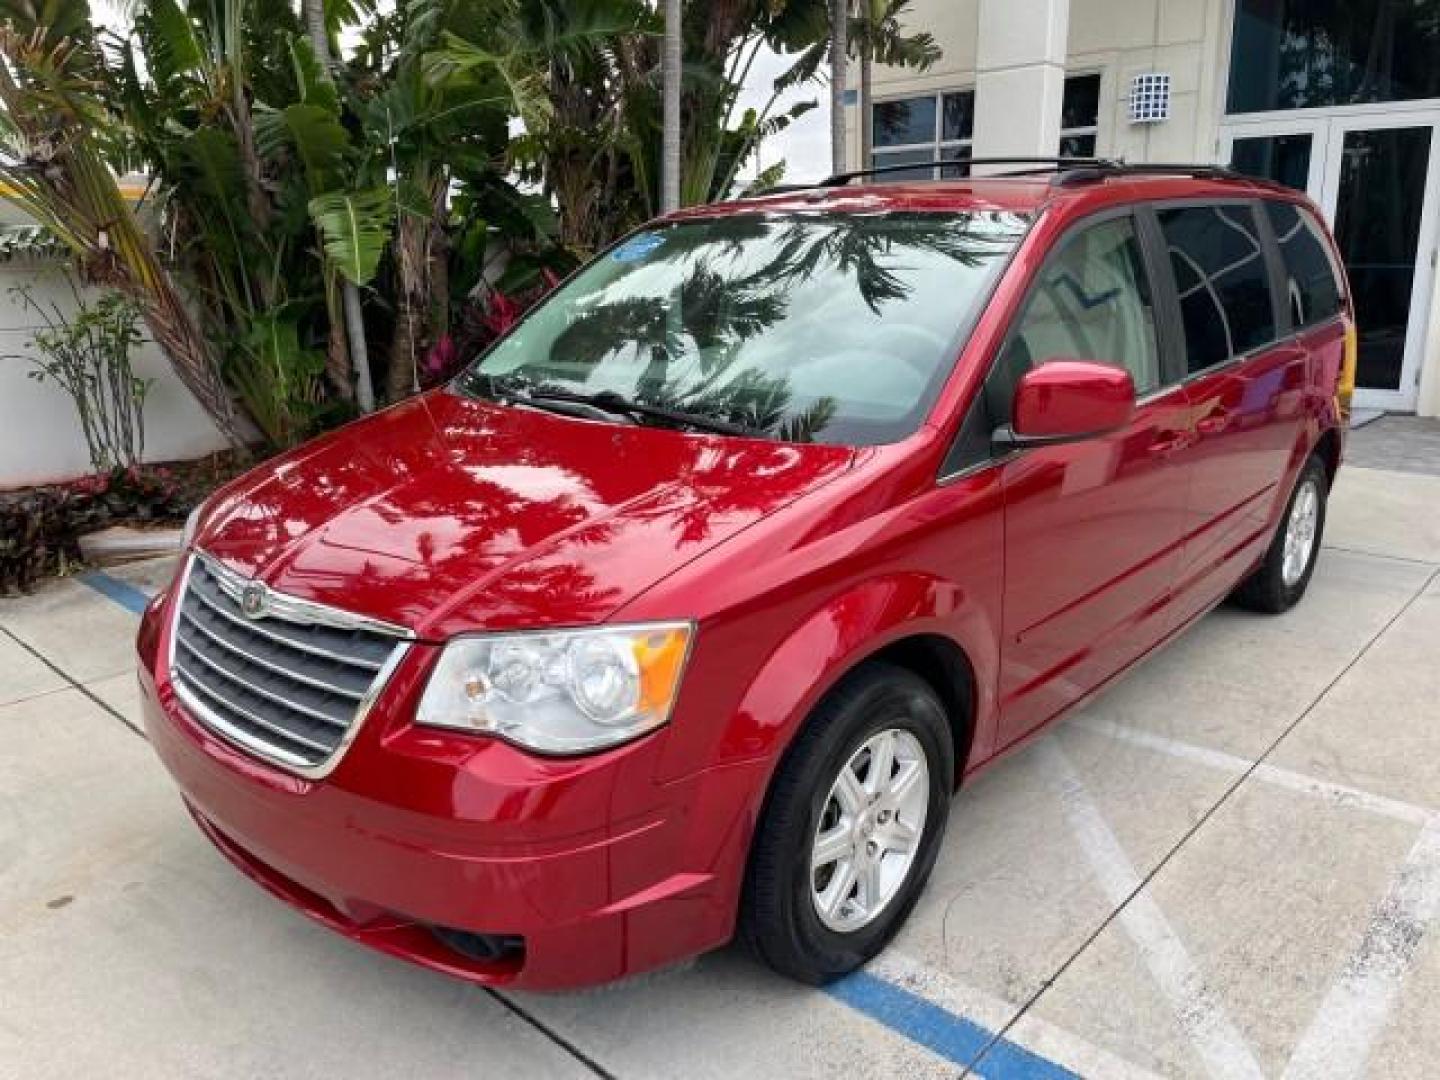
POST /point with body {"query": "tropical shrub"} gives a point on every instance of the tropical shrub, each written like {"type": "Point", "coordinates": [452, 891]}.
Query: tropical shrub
{"type": "Point", "coordinates": [87, 353]}
{"type": "Point", "coordinates": [324, 218]}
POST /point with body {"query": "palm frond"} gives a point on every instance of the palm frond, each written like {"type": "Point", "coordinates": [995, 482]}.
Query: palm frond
{"type": "Point", "coordinates": [355, 227]}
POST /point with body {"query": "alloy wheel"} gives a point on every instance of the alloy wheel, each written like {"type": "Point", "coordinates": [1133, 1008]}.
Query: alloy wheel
{"type": "Point", "coordinates": [869, 830]}
{"type": "Point", "coordinates": [1300, 529]}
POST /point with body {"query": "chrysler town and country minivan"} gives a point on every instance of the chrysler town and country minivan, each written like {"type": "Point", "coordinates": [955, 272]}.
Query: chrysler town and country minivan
{"type": "Point", "coordinates": [683, 611]}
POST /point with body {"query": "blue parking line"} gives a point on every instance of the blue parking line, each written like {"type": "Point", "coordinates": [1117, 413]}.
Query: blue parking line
{"type": "Point", "coordinates": [122, 592]}
{"type": "Point", "coordinates": [952, 1037]}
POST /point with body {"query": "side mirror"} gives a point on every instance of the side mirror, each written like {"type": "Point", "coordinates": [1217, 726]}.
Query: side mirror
{"type": "Point", "coordinates": [1063, 401]}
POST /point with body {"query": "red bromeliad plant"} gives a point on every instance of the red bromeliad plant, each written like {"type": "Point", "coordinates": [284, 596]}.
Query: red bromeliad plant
{"type": "Point", "coordinates": [480, 324]}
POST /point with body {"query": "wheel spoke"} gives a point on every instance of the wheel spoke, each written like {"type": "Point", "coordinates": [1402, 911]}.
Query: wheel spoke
{"type": "Point", "coordinates": [871, 896]}
{"type": "Point", "coordinates": [904, 782]}
{"type": "Point", "coordinates": [899, 836]}
{"type": "Point", "coordinates": [882, 762]}
{"type": "Point", "coordinates": [850, 792]}
{"type": "Point", "coordinates": [831, 846]}
{"type": "Point", "coordinates": [841, 885]}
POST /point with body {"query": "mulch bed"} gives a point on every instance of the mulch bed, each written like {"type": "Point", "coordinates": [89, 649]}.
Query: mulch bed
{"type": "Point", "coordinates": [40, 527]}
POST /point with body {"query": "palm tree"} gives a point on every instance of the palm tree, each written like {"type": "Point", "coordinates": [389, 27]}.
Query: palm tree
{"type": "Point", "coordinates": [875, 35]}
{"type": "Point", "coordinates": [838, 52]}
{"type": "Point", "coordinates": [670, 155]}
{"type": "Point", "coordinates": [357, 353]}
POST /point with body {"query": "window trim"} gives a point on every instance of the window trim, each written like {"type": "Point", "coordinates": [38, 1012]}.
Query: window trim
{"type": "Point", "coordinates": [954, 466]}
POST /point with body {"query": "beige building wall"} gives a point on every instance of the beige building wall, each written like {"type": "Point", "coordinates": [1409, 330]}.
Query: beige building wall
{"type": "Point", "coordinates": [1117, 39]}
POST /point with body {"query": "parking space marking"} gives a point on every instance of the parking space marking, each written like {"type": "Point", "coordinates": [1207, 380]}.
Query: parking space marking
{"type": "Point", "coordinates": [1038, 1037]}
{"type": "Point", "coordinates": [122, 592]}
{"type": "Point", "coordinates": [941, 1031]}
{"type": "Point", "coordinates": [1198, 1010]}
{"type": "Point", "coordinates": [1336, 794]}
{"type": "Point", "coordinates": [1337, 1043]}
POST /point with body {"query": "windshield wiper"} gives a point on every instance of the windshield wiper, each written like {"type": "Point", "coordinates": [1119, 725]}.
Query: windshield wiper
{"type": "Point", "coordinates": [608, 401]}
{"type": "Point", "coordinates": [612, 401]}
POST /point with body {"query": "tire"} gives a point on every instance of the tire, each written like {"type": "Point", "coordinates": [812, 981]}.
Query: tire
{"type": "Point", "coordinates": [877, 705]}
{"type": "Point", "coordinates": [1271, 588]}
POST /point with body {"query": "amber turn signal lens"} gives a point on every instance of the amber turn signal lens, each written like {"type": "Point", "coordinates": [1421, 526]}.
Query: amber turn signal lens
{"type": "Point", "coordinates": [660, 656]}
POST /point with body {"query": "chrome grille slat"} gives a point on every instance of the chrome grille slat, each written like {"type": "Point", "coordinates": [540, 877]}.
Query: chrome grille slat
{"type": "Point", "coordinates": [239, 680]}
{"type": "Point", "coordinates": [260, 661]}
{"type": "Point", "coordinates": [239, 620]}
{"type": "Point", "coordinates": [195, 684]}
{"type": "Point", "coordinates": [289, 685]}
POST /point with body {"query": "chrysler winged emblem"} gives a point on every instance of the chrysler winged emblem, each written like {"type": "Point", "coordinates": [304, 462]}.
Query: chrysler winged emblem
{"type": "Point", "coordinates": [254, 599]}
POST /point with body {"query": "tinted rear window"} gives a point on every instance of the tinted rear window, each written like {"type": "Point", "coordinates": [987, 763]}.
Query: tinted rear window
{"type": "Point", "coordinates": [1222, 280]}
{"type": "Point", "coordinates": [1312, 289]}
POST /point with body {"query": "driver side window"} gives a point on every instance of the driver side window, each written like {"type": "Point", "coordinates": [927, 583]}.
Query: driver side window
{"type": "Point", "coordinates": [1091, 301]}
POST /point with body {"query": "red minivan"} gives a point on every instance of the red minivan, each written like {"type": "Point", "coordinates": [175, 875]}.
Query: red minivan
{"type": "Point", "coordinates": [681, 614]}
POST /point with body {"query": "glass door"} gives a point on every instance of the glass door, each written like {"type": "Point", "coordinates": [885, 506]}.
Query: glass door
{"type": "Point", "coordinates": [1376, 176]}
{"type": "Point", "coordinates": [1380, 197]}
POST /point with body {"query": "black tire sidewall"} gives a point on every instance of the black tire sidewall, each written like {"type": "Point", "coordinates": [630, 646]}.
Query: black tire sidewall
{"type": "Point", "coordinates": [1313, 471]}
{"type": "Point", "coordinates": [874, 699]}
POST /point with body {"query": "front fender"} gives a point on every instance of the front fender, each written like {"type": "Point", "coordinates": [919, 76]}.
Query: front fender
{"type": "Point", "coordinates": [845, 631]}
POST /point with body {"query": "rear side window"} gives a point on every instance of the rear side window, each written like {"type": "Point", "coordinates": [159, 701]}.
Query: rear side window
{"type": "Point", "coordinates": [1092, 301]}
{"type": "Point", "coordinates": [1222, 280]}
{"type": "Point", "coordinates": [1312, 288]}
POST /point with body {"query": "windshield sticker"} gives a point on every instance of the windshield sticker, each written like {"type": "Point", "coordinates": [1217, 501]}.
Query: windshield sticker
{"type": "Point", "coordinates": [637, 247]}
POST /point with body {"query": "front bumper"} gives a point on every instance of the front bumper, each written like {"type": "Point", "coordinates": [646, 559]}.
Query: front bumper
{"type": "Point", "coordinates": [600, 869]}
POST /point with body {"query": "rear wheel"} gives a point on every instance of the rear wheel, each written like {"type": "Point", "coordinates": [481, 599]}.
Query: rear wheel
{"type": "Point", "coordinates": [1283, 577]}
{"type": "Point", "coordinates": [851, 827]}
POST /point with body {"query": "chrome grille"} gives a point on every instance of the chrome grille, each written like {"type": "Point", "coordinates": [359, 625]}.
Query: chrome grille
{"type": "Point", "coordinates": [289, 682]}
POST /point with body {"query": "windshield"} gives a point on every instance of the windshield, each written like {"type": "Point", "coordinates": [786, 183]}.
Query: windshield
{"type": "Point", "coordinates": [804, 327]}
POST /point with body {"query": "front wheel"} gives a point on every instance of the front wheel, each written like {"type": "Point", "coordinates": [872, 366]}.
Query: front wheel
{"type": "Point", "coordinates": [1282, 578]}
{"type": "Point", "coordinates": [852, 826]}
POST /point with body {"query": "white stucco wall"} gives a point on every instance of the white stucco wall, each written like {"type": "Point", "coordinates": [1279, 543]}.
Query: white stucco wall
{"type": "Point", "coordinates": [40, 439]}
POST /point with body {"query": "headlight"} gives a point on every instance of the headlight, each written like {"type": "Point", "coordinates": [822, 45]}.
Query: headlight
{"type": "Point", "coordinates": [188, 536]}
{"type": "Point", "coordinates": [560, 693]}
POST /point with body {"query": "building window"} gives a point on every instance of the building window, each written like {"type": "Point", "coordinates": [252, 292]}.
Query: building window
{"type": "Point", "coordinates": [920, 130]}
{"type": "Point", "coordinates": [1299, 54]}
{"type": "Point", "coordinates": [1080, 116]}
{"type": "Point", "coordinates": [939, 127]}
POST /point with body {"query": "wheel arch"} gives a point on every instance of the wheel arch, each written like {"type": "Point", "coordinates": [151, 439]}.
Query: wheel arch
{"type": "Point", "coordinates": [1327, 446]}
{"type": "Point", "coordinates": [942, 663]}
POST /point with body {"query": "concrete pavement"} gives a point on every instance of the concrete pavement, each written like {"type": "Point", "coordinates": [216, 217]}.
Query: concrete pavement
{"type": "Point", "coordinates": [1227, 865]}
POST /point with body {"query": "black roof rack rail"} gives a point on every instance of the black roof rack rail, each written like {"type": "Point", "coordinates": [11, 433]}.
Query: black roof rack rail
{"type": "Point", "coordinates": [1042, 165]}
{"type": "Point", "coordinates": [1141, 168]}
{"type": "Point", "coordinates": [1064, 170]}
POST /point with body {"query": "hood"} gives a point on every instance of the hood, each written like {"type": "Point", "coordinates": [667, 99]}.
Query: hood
{"type": "Point", "coordinates": [446, 514]}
